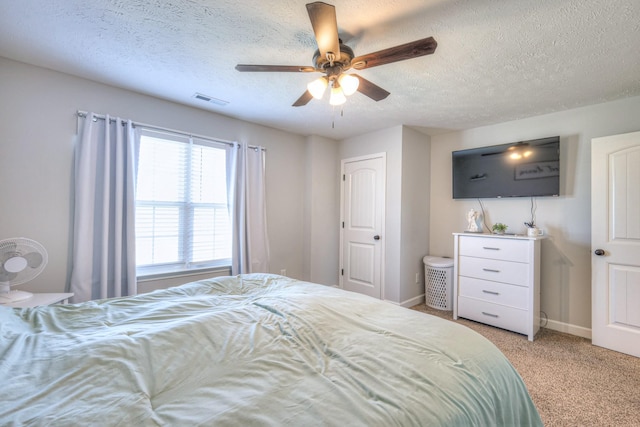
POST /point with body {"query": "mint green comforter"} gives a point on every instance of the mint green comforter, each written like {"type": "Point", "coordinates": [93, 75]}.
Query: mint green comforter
{"type": "Point", "coordinates": [253, 350]}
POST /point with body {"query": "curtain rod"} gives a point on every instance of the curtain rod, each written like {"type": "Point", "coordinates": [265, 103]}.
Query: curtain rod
{"type": "Point", "coordinates": [83, 115]}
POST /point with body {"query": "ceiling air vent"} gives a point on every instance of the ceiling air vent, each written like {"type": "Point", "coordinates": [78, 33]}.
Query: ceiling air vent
{"type": "Point", "coordinates": [210, 99]}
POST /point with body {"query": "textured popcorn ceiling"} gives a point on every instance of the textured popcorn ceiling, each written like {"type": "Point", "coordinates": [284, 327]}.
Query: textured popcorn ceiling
{"type": "Point", "coordinates": [497, 60]}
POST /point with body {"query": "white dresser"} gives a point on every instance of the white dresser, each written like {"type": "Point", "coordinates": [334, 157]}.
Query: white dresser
{"type": "Point", "coordinates": [496, 280]}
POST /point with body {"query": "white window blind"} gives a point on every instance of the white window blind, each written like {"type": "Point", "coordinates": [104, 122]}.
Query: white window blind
{"type": "Point", "coordinates": [182, 215]}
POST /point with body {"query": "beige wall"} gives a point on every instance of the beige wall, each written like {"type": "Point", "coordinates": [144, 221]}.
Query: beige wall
{"type": "Point", "coordinates": [406, 234]}
{"type": "Point", "coordinates": [566, 254]}
{"type": "Point", "coordinates": [37, 134]}
{"type": "Point", "coordinates": [322, 213]}
{"type": "Point", "coordinates": [416, 176]}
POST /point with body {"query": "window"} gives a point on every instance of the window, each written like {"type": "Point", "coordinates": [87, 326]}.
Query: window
{"type": "Point", "coordinates": [182, 215]}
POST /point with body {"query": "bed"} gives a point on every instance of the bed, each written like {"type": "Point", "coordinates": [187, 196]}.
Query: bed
{"type": "Point", "coordinates": [251, 350]}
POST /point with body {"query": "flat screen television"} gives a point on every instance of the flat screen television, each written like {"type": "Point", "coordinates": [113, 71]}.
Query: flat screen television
{"type": "Point", "coordinates": [522, 169]}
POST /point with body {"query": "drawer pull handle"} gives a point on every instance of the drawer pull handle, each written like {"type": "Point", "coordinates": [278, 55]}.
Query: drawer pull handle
{"type": "Point", "coordinates": [490, 292]}
{"type": "Point", "coordinates": [489, 248]}
{"type": "Point", "coordinates": [490, 314]}
{"type": "Point", "coordinates": [491, 270]}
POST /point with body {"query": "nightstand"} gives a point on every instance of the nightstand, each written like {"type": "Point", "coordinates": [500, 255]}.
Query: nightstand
{"type": "Point", "coordinates": [40, 299]}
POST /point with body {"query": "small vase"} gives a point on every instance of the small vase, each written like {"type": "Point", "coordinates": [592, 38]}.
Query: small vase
{"type": "Point", "coordinates": [534, 232]}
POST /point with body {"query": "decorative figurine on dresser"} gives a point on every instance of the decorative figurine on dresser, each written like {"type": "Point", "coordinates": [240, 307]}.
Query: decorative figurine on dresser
{"type": "Point", "coordinates": [473, 218]}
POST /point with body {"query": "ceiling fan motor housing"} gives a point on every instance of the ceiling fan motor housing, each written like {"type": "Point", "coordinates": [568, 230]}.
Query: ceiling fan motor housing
{"type": "Point", "coordinates": [344, 63]}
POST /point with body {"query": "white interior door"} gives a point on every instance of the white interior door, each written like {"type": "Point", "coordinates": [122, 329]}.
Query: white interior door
{"type": "Point", "coordinates": [615, 238]}
{"type": "Point", "coordinates": [362, 238]}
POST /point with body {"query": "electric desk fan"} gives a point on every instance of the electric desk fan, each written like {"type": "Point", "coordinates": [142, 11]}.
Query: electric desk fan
{"type": "Point", "coordinates": [21, 260]}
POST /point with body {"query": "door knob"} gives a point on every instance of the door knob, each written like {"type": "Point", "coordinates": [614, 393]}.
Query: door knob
{"type": "Point", "coordinates": [376, 237]}
{"type": "Point", "coordinates": [599, 252]}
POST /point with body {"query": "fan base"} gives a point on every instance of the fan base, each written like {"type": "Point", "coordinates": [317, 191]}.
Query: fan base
{"type": "Point", "coordinates": [14, 296]}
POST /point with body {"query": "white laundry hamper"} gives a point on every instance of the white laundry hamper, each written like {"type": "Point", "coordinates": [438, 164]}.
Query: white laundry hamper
{"type": "Point", "coordinates": [438, 282]}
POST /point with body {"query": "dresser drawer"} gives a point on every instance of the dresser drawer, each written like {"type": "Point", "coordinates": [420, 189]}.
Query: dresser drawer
{"type": "Point", "coordinates": [494, 292]}
{"type": "Point", "coordinates": [495, 248]}
{"type": "Point", "coordinates": [516, 273]}
{"type": "Point", "coordinates": [501, 316]}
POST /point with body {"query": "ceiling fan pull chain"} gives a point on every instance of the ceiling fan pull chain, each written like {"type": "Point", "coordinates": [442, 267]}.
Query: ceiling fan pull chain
{"type": "Point", "coordinates": [333, 117]}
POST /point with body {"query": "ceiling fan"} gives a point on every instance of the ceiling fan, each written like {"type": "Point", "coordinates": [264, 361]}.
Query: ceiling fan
{"type": "Point", "coordinates": [333, 58]}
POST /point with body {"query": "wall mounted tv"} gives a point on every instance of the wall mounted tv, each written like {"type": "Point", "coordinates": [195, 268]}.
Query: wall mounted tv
{"type": "Point", "coordinates": [522, 169]}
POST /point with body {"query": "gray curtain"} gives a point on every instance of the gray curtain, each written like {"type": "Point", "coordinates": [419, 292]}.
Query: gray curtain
{"type": "Point", "coordinates": [249, 210]}
{"type": "Point", "coordinates": [104, 222]}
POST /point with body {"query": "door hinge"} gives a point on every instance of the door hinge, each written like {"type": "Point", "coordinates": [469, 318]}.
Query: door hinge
{"type": "Point", "coordinates": [342, 224]}
{"type": "Point", "coordinates": [342, 272]}
{"type": "Point", "coordinates": [344, 177]}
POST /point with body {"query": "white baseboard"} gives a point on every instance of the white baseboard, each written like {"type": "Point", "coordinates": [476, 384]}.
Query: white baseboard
{"type": "Point", "coordinates": [568, 328]}
{"type": "Point", "coordinates": [413, 301]}
{"type": "Point", "coordinates": [408, 303]}
{"type": "Point", "coordinates": [554, 325]}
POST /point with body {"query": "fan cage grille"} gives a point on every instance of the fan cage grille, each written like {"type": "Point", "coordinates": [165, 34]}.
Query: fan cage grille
{"type": "Point", "coordinates": [21, 246]}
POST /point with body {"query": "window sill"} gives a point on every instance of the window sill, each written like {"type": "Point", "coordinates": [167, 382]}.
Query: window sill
{"type": "Point", "coordinates": [147, 277]}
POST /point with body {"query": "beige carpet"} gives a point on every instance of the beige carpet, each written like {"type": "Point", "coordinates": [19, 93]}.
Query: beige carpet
{"type": "Point", "coordinates": [571, 381]}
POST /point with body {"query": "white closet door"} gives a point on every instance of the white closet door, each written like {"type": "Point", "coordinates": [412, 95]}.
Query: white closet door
{"type": "Point", "coordinates": [363, 201]}
{"type": "Point", "coordinates": [615, 238]}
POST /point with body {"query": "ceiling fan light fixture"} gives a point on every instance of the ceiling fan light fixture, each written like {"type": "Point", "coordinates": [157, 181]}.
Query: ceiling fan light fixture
{"type": "Point", "coordinates": [337, 96]}
{"type": "Point", "coordinates": [317, 87]}
{"type": "Point", "coordinates": [349, 84]}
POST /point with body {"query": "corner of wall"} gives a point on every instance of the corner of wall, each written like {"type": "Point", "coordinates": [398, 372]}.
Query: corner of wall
{"type": "Point", "coordinates": [322, 210]}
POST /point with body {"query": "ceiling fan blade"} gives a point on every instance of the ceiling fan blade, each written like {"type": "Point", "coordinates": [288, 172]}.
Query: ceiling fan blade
{"type": "Point", "coordinates": [373, 91]}
{"type": "Point", "coordinates": [393, 54]}
{"type": "Point", "coordinates": [325, 28]}
{"type": "Point", "coordinates": [280, 68]}
{"type": "Point", "coordinates": [303, 100]}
